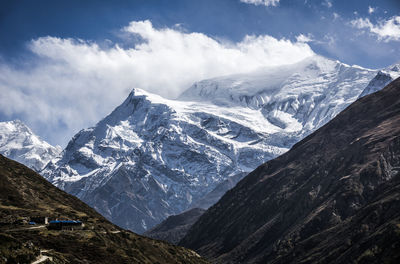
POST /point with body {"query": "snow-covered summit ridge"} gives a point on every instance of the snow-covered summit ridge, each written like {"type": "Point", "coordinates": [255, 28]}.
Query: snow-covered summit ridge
{"type": "Point", "coordinates": [315, 74]}
{"type": "Point", "coordinates": [18, 142]}
{"type": "Point", "coordinates": [310, 92]}
{"type": "Point", "coordinates": [153, 157]}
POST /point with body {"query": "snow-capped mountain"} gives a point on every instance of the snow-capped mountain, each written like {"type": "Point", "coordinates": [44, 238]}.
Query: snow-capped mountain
{"type": "Point", "coordinates": [19, 143]}
{"type": "Point", "coordinates": [302, 96]}
{"type": "Point", "coordinates": [153, 157]}
{"type": "Point", "coordinates": [383, 78]}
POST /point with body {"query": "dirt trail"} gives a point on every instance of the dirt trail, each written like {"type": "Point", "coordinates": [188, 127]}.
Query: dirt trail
{"type": "Point", "coordinates": [25, 228]}
{"type": "Point", "coordinates": [42, 258]}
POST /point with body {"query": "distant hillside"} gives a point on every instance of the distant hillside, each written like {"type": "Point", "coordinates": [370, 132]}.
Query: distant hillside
{"type": "Point", "coordinates": [175, 227]}
{"type": "Point", "coordinates": [333, 198]}
{"type": "Point", "coordinates": [24, 193]}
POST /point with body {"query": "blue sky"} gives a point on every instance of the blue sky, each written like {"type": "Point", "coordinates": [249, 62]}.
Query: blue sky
{"type": "Point", "coordinates": [65, 64]}
{"type": "Point", "coordinates": [21, 21]}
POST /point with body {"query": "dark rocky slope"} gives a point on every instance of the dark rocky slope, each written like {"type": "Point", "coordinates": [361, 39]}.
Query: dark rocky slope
{"type": "Point", "coordinates": [212, 197]}
{"type": "Point", "coordinates": [175, 227]}
{"type": "Point", "coordinates": [333, 198]}
{"type": "Point", "coordinates": [24, 193]}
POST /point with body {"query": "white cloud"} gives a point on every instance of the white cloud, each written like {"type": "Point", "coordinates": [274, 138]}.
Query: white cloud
{"type": "Point", "coordinates": [77, 82]}
{"type": "Point", "coordinates": [305, 38]}
{"type": "Point", "coordinates": [327, 3]}
{"type": "Point", "coordinates": [335, 16]}
{"type": "Point", "coordinates": [330, 40]}
{"type": "Point", "coordinates": [261, 2]}
{"type": "Point", "coordinates": [371, 10]}
{"type": "Point", "coordinates": [385, 30]}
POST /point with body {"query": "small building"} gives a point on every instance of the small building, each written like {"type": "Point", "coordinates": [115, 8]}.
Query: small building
{"type": "Point", "coordinates": [40, 220]}
{"type": "Point", "coordinates": [65, 225]}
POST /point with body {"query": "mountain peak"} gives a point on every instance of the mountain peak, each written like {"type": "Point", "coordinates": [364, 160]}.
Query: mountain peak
{"type": "Point", "coordinates": [18, 142]}
{"type": "Point", "coordinates": [154, 157]}
{"type": "Point", "coordinates": [382, 78]}
{"type": "Point", "coordinates": [256, 89]}
{"type": "Point", "coordinates": [16, 125]}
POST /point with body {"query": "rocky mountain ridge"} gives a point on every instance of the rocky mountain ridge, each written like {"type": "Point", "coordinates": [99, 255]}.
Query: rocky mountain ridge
{"type": "Point", "coordinates": [153, 157]}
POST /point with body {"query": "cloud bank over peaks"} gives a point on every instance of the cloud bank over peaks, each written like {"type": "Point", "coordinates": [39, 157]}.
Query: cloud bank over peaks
{"type": "Point", "coordinates": [71, 83]}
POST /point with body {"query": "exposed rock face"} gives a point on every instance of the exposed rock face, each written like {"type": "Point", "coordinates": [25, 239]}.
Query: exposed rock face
{"type": "Point", "coordinates": [152, 157]}
{"type": "Point", "coordinates": [175, 227]}
{"type": "Point", "coordinates": [19, 143]}
{"type": "Point", "coordinates": [333, 198]}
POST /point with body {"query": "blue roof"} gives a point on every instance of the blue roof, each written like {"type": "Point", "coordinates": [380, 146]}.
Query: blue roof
{"type": "Point", "coordinates": [65, 222]}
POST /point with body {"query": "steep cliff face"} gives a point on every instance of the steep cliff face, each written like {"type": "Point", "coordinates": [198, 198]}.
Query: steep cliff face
{"type": "Point", "coordinates": [152, 157]}
{"type": "Point", "coordinates": [334, 197]}
{"type": "Point", "coordinates": [19, 143]}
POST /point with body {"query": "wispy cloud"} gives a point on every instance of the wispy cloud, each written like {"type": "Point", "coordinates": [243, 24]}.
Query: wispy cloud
{"type": "Point", "coordinates": [76, 82]}
{"type": "Point", "coordinates": [305, 38]}
{"type": "Point", "coordinates": [384, 30]}
{"type": "Point", "coordinates": [335, 16]}
{"type": "Point", "coordinates": [261, 2]}
{"type": "Point", "coordinates": [371, 9]}
{"type": "Point", "coordinates": [327, 3]}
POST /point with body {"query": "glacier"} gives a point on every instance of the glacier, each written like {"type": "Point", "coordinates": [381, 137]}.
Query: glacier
{"type": "Point", "coordinates": [153, 157]}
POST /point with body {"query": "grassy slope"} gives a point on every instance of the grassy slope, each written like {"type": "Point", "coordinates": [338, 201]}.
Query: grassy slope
{"type": "Point", "coordinates": [25, 193]}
